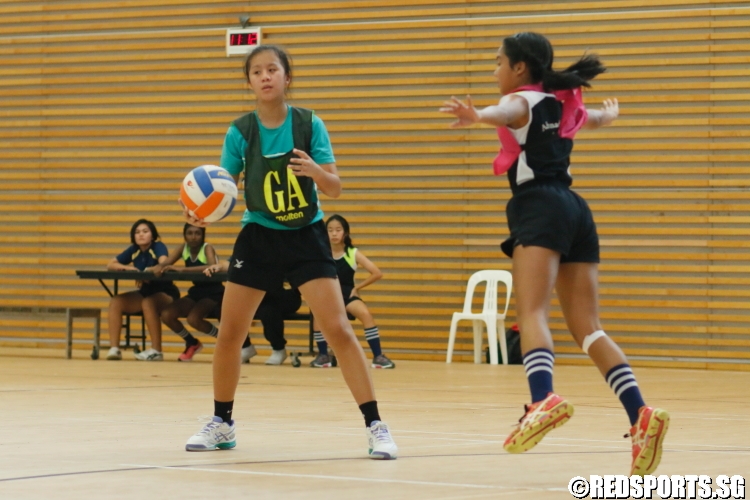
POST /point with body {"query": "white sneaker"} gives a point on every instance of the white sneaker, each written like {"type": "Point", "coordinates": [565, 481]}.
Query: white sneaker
{"type": "Point", "coordinates": [248, 352]}
{"type": "Point", "coordinates": [114, 353]}
{"type": "Point", "coordinates": [381, 445]}
{"type": "Point", "coordinates": [217, 434]}
{"type": "Point", "coordinates": [277, 357]}
{"type": "Point", "coordinates": [150, 355]}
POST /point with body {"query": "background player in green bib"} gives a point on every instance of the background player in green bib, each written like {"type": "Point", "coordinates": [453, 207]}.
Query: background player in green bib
{"type": "Point", "coordinates": [202, 300]}
{"type": "Point", "coordinates": [286, 157]}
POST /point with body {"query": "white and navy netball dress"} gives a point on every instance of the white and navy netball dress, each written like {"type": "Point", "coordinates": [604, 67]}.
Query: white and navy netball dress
{"type": "Point", "coordinates": [346, 267]}
{"type": "Point", "coordinates": [543, 210]}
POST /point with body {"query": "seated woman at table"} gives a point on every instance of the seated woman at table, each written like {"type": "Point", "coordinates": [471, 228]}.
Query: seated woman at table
{"type": "Point", "coordinates": [275, 306]}
{"type": "Point", "coordinates": [144, 253]}
{"type": "Point", "coordinates": [204, 297]}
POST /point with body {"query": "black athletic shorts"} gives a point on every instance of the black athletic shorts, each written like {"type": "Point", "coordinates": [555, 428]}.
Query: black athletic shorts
{"type": "Point", "coordinates": [198, 293]}
{"type": "Point", "coordinates": [550, 215]}
{"type": "Point", "coordinates": [150, 288]}
{"type": "Point", "coordinates": [264, 257]}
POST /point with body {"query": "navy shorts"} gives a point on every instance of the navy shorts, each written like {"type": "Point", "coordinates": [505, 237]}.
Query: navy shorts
{"type": "Point", "coordinates": [550, 215]}
{"type": "Point", "coordinates": [263, 258]}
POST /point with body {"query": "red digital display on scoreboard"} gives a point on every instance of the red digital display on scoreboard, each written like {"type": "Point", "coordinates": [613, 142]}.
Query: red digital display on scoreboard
{"type": "Point", "coordinates": [243, 39]}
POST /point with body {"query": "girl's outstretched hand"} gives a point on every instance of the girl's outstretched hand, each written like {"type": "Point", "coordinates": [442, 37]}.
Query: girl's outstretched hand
{"type": "Point", "coordinates": [610, 111]}
{"type": "Point", "coordinates": [210, 270]}
{"type": "Point", "coordinates": [193, 221]}
{"type": "Point", "coordinates": [467, 114]}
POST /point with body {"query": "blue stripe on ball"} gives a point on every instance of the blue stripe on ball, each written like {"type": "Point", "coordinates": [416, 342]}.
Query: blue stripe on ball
{"type": "Point", "coordinates": [204, 181]}
{"type": "Point", "coordinates": [231, 207]}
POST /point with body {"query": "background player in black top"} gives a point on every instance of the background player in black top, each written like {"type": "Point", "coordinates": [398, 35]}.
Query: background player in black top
{"type": "Point", "coordinates": [348, 258]}
{"type": "Point", "coordinates": [553, 240]}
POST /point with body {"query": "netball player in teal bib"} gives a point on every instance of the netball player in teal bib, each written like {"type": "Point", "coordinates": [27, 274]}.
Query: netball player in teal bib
{"type": "Point", "coordinates": [286, 157]}
{"type": "Point", "coordinates": [553, 240]}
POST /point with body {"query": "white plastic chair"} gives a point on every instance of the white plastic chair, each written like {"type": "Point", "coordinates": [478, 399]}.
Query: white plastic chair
{"type": "Point", "coordinates": [489, 315]}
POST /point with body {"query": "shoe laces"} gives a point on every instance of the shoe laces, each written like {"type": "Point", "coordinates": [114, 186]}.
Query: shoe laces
{"type": "Point", "coordinates": [525, 412]}
{"type": "Point", "coordinates": [210, 427]}
{"type": "Point", "coordinates": [380, 432]}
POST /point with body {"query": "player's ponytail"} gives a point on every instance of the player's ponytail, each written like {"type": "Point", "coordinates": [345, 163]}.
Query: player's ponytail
{"type": "Point", "coordinates": [536, 51]}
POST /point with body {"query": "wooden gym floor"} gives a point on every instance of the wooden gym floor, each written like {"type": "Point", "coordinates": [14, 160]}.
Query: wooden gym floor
{"type": "Point", "coordinates": [82, 429]}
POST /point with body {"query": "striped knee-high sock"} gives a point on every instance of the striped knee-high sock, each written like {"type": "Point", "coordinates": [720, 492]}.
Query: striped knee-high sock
{"type": "Point", "coordinates": [322, 344]}
{"type": "Point", "coordinates": [539, 365]}
{"type": "Point", "coordinates": [214, 332]}
{"type": "Point", "coordinates": [622, 380]}
{"type": "Point", "coordinates": [372, 335]}
{"type": "Point", "coordinates": [187, 337]}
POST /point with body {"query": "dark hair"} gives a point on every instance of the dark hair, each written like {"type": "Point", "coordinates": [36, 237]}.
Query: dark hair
{"type": "Point", "coordinates": [284, 58]}
{"type": "Point", "coordinates": [188, 226]}
{"type": "Point", "coordinates": [347, 238]}
{"type": "Point", "coordinates": [154, 232]}
{"type": "Point", "coordinates": [536, 51]}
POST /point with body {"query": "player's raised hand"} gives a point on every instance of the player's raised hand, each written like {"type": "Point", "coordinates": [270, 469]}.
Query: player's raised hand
{"type": "Point", "coordinates": [193, 221]}
{"type": "Point", "coordinates": [466, 114]}
{"type": "Point", "coordinates": [610, 111]}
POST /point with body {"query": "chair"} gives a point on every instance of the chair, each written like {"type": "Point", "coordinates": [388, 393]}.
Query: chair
{"type": "Point", "coordinates": [489, 315]}
{"type": "Point", "coordinates": [82, 312]}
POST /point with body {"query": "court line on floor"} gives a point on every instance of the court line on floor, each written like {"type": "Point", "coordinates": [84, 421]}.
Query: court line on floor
{"type": "Point", "coordinates": [346, 478]}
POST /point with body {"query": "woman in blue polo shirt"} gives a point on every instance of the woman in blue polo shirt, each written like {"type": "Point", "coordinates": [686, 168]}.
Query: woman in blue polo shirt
{"type": "Point", "coordinates": [144, 252]}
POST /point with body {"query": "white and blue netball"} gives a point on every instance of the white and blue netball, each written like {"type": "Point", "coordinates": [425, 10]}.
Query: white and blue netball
{"type": "Point", "coordinates": [209, 193]}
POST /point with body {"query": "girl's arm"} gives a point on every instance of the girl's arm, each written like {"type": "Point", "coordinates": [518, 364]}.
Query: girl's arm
{"type": "Point", "coordinates": [216, 268]}
{"type": "Point", "coordinates": [326, 176]}
{"type": "Point", "coordinates": [375, 273]}
{"type": "Point", "coordinates": [509, 112]}
{"type": "Point", "coordinates": [114, 265]}
{"type": "Point", "coordinates": [602, 117]}
{"type": "Point", "coordinates": [159, 267]}
{"type": "Point", "coordinates": [168, 264]}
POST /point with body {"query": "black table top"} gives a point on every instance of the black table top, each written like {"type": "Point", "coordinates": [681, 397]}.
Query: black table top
{"type": "Point", "coordinates": [141, 276]}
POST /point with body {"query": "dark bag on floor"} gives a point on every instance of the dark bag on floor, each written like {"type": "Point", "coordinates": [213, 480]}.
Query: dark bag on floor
{"type": "Point", "coordinates": [513, 339]}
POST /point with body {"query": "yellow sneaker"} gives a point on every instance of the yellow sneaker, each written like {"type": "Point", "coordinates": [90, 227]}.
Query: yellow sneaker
{"type": "Point", "coordinates": [540, 418]}
{"type": "Point", "coordinates": [647, 436]}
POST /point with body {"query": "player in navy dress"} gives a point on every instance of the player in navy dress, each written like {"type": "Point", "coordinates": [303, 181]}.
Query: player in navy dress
{"type": "Point", "coordinates": [144, 254]}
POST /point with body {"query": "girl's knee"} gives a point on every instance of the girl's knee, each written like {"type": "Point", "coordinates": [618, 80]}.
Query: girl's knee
{"type": "Point", "coordinates": [195, 319]}
{"type": "Point", "coordinates": [169, 314]}
{"type": "Point", "coordinates": [339, 332]}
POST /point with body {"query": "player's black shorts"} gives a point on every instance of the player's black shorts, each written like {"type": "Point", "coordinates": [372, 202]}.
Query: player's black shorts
{"type": "Point", "coordinates": [346, 292]}
{"type": "Point", "coordinates": [152, 287]}
{"type": "Point", "coordinates": [264, 257]}
{"type": "Point", "coordinates": [550, 215]}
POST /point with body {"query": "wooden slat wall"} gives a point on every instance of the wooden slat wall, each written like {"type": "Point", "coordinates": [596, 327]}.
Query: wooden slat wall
{"type": "Point", "coordinates": [104, 114]}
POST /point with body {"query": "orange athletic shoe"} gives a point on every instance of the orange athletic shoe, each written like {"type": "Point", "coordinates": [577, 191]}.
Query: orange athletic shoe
{"type": "Point", "coordinates": [190, 351]}
{"type": "Point", "coordinates": [540, 418]}
{"type": "Point", "coordinates": [648, 437]}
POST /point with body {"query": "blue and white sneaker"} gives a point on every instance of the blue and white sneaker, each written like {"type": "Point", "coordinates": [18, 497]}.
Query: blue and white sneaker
{"type": "Point", "coordinates": [216, 435]}
{"type": "Point", "coordinates": [381, 445]}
